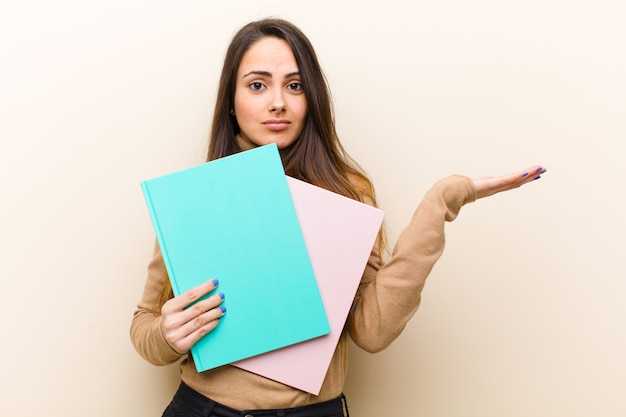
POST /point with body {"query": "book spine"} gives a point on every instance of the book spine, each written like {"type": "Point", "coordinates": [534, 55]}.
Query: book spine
{"type": "Point", "coordinates": [159, 236]}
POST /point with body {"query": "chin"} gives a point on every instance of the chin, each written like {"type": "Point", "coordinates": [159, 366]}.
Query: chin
{"type": "Point", "coordinates": [282, 143]}
{"type": "Point", "coordinates": [280, 139]}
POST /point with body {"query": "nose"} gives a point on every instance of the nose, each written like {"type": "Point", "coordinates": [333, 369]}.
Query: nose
{"type": "Point", "coordinates": [277, 104]}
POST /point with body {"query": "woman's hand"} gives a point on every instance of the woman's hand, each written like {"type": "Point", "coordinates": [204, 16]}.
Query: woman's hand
{"type": "Point", "coordinates": [183, 324]}
{"type": "Point", "coordinates": [486, 186]}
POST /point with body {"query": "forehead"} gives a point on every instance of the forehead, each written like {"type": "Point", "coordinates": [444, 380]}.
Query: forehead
{"type": "Point", "coordinates": [269, 54]}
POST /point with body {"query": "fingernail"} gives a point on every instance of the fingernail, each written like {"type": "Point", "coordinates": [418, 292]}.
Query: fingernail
{"type": "Point", "coordinates": [539, 177]}
{"type": "Point", "coordinates": [221, 295]}
{"type": "Point", "coordinates": [215, 282]}
{"type": "Point", "coordinates": [539, 170]}
{"type": "Point", "coordinates": [525, 174]}
{"type": "Point", "coordinates": [223, 309]}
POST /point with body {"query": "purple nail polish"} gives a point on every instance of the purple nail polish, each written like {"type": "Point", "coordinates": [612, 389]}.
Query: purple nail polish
{"type": "Point", "coordinates": [221, 295]}
{"type": "Point", "coordinates": [525, 174]}
{"type": "Point", "coordinates": [215, 282]}
{"type": "Point", "coordinates": [223, 309]}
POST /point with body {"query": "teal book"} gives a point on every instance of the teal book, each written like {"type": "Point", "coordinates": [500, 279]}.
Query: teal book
{"type": "Point", "coordinates": [233, 219]}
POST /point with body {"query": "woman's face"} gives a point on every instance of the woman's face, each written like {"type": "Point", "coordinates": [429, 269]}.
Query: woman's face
{"type": "Point", "coordinates": [270, 106]}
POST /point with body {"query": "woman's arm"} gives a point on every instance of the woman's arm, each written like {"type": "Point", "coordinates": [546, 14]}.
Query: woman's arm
{"type": "Point", "coordinates": [389, 293]}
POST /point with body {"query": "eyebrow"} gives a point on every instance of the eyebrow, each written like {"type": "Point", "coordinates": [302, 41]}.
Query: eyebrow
{"type": "Point", "coordinates": [269, 74]}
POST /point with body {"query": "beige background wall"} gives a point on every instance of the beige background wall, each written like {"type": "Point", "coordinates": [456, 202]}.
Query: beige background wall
{"type": "Point", "coordinates": [524, 315]}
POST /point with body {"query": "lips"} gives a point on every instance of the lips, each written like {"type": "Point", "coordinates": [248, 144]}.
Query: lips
{"type": "Point", "coordinates": [277, 124]}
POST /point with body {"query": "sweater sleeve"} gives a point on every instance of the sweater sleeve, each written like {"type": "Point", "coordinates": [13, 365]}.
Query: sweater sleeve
{"type": "Point", "coordinates": [145, 329]}
{"type": "Point", "coordinates": [389, 293]}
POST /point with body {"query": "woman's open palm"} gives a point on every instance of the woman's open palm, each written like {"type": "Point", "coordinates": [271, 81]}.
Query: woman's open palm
{"type": "Point", "coordinates": [487, 186]}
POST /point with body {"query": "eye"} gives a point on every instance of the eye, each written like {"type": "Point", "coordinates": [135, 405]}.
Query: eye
{"type": "Point", "coordinates": [297, 87]}
{"type": "Point", "coordinates": [256, 86]}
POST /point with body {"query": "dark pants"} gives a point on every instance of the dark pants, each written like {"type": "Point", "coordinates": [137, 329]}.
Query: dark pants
{"type": "Point", "coordinates": [190, 403]}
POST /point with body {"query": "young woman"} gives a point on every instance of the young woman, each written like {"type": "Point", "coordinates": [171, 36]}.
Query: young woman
{"type": "Point", "coordinates": [272, 90]}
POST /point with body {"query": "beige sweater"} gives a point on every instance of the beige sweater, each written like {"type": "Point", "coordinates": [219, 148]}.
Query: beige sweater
{"type": "Point", "coordinates": [387, 297]}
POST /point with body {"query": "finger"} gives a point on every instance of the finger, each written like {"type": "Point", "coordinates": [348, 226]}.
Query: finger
{"type": "Point", "coordinates": [190, 296]}
{"type": "Point", "coordinates": [175, 323]}
{"type": "Point", "coordinates": [202, 307]}
{"type": "Point", "coordinates": [199, 327]}
{"type": "Point", "coordinates": [533, 172]}
{"type": "Point", "coordinates": [185, 344]}
{"type": "Point", "coordinates": [517, 179]}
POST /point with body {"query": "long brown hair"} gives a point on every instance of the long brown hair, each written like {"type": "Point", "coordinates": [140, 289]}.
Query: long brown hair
{"type": "Point", "coordinates": [317, 156]}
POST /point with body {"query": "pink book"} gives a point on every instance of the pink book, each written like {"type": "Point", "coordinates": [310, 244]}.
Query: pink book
{"type": "Point", "coordinates": [339, 234]}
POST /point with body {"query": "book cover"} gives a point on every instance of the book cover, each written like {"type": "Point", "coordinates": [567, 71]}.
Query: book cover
{"type": "Point", "coordinates": [339, 233]}
{"type": "Point", "coordinates": [234, 219]}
